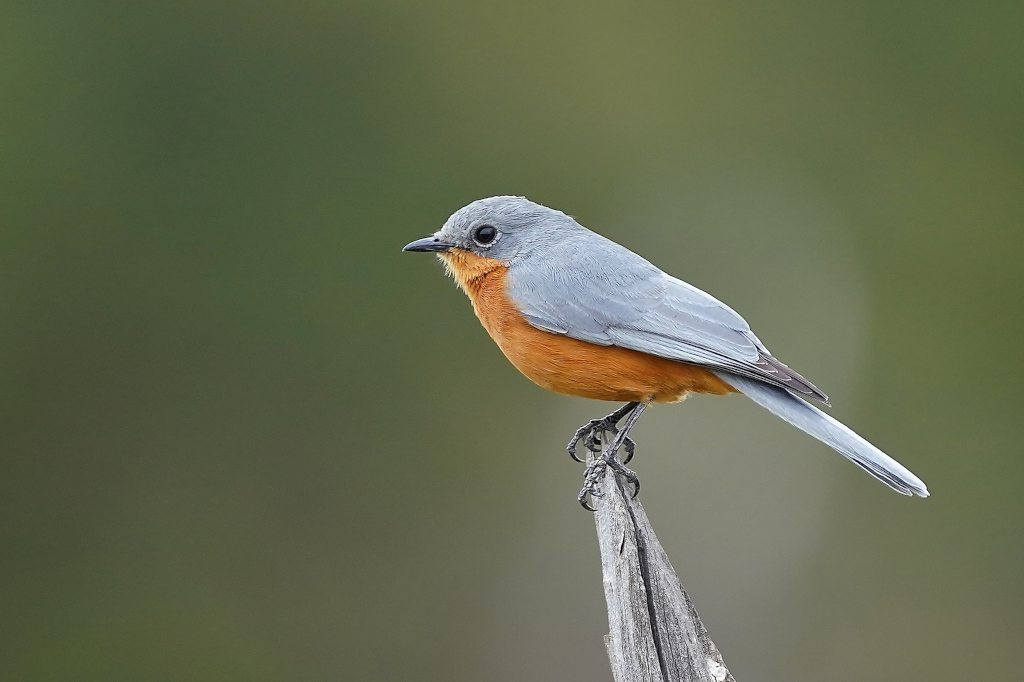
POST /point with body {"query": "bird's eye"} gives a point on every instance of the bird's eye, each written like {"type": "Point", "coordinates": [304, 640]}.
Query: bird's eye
{"type": "Point", "coordinates": [485, 234]}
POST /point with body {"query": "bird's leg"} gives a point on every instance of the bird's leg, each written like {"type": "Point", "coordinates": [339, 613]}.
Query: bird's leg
{"type": "Point", "coordinates": [621, 437]}
{"type": "Point", "coordinates": [590, 432]}
{"type": "Point", "coordinates": [594, 472]}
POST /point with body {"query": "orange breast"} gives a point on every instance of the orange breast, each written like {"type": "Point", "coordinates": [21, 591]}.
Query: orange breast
{"type": "Point", "coordinates": [567, 365]}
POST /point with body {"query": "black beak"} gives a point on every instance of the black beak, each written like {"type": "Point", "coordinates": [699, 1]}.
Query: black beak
{"type": "Point", "coordinates": [428, 245]}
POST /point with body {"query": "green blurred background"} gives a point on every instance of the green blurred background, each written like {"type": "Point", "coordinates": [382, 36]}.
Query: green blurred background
{"type": "Point", "coordinates": [243, 437]}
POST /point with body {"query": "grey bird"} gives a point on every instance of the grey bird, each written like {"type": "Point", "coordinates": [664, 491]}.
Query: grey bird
{"type": "Point", "coordinates": [581, 315]}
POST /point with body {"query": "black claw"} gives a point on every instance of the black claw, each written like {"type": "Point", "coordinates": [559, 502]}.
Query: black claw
{"type": "Point", "coordinates": [629, 446]}
{"type": "Point", "coordinates": [620, 468]}
{"type": "Point", "coordinates": [588, 433]}
{"type": "Point", "coordinates": [633, 480]}
{"type": "Point", "coordinates": [591, 490]}
{"type": "Point", "coordinates": [576, 437]}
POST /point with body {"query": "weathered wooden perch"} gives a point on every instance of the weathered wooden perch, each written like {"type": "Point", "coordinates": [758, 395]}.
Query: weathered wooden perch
{"type": "Point", "coordinates": [654, 634]}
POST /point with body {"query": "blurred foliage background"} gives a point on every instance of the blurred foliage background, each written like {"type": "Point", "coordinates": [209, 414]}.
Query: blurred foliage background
{"type": "Point", "coordinates": [243, 437]}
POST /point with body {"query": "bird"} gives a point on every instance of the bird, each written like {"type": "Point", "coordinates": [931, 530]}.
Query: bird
{"type": "Point", "coordinates": [581, 315]}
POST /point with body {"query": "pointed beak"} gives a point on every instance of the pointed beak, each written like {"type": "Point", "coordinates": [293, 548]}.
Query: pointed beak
{"type": "Point", "coordinates": [428, 245]}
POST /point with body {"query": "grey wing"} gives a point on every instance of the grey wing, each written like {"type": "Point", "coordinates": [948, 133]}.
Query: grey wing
{"type": "Point", "coordinates": [592, 289]}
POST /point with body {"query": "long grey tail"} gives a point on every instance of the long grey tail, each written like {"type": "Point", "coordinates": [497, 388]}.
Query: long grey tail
{"type": "Point", "coordinates": [833, 433]}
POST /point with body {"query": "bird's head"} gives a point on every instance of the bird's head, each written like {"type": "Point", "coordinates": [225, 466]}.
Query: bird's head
{"type": "Point", "coordinates": [500, 229]}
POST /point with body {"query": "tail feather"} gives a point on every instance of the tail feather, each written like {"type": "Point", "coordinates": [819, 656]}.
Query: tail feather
{"type": "Point", "coordinates": [833, 433]}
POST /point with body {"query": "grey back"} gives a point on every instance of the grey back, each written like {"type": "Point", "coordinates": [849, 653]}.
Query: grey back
{"type": "Point", "coordinates": [569, 280]}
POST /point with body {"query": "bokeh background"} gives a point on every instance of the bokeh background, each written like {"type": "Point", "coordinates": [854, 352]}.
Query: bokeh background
{"type": "Point", "coordinates": [243, 437]}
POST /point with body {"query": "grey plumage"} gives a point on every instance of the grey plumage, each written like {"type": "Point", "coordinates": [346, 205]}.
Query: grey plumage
{"type": "Point", "coordinates": [590, 288]}
{"type": "Point", "coordinates": [832, 432]}
{"type": "Point", "coordinates": [568, 280]}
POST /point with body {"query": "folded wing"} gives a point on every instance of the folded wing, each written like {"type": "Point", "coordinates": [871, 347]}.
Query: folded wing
{"type": "Point", "coordinates": [626, 301]}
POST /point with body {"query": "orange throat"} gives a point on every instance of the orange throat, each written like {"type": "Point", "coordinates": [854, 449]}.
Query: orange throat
{"type": "Point", "coordinates": [566, 365]}
{"type": "Point", "coordinates": [469, 270]}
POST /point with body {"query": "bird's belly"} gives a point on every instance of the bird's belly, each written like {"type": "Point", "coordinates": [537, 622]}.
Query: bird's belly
{"type": "Point", "coordinates": [575, 367]}
{"type": "Point", "coordinates": [583, 369]}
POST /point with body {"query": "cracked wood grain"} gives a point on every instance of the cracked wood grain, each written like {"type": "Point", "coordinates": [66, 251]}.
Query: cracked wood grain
{"type": "Point", "coordinates": [654, 633]}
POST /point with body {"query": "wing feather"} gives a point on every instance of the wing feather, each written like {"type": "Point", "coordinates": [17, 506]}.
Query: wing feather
{"type": "Point", "coordinates": [592, 289]}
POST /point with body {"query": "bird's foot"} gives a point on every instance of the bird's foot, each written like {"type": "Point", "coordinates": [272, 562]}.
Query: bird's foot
{"type": "Point", "coordinates": [594, 474]}
{"type": "Point", "coordinates": [621, 469]}
{"type": "Point", "coordinates": [590, 433]}
{"type": "Point", "coordinates": [594, 434]}
{"type": "Point", "coordinates": [592, 477]}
